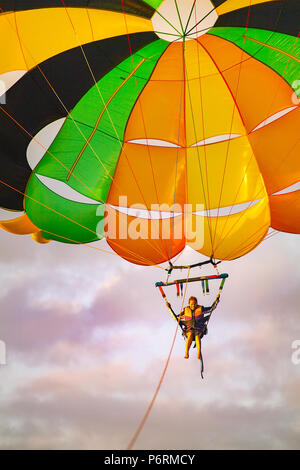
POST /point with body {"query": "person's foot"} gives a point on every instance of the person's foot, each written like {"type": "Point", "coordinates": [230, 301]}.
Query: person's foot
{"type": "Point", "coordinates": [186, 356]}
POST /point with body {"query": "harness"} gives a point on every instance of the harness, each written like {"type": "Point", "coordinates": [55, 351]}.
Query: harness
{"type": "Point", "coordinates": [203, 330]}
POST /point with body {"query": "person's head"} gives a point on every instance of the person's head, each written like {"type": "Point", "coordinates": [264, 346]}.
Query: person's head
{"type": "Point", "coordinates": [193, 303]}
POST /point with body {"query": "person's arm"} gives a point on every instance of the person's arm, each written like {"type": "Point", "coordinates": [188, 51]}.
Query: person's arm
{"type": "Point", "coordinates": [213, 306]}
{"type": "Point", "coordinates": [171, 310]}
{"type": "Point", "coordinates": [176, 317]}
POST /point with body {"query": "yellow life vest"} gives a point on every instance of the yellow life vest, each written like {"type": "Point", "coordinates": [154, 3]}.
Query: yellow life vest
{"type": "Point", "coordinates": [188, 314]}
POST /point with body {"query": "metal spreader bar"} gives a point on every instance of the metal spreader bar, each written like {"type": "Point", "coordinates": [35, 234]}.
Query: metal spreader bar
{"type": "Point", "coordinates": [192, 279]}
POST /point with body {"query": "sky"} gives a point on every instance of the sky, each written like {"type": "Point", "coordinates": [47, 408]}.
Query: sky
{"type": "Point", "coordinates": [87, 336]}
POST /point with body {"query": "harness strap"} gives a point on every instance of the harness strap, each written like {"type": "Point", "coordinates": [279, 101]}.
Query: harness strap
{"type": "Point", "coordinates": [203, 287]}
{"type": "Point", "coordinates": [201, 365]}
{"type": "Point", "coordinates": [162, 292]}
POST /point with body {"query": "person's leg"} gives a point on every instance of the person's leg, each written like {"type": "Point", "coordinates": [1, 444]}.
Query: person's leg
{"type": "Point", "coordinates": [189, 340]}
{"type": "Point", "coordinates": [198, 344]}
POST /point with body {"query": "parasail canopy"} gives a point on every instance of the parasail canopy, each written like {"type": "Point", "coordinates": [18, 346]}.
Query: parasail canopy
{"type": "Point", "coordinates": [153, 123]}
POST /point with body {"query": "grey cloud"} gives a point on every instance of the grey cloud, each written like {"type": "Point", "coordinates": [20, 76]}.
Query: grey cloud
{"type": "Point", "coordinates": [97, 334]}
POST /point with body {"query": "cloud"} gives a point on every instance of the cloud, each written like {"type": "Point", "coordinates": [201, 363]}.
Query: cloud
{"type": "Point", "coordinates": [88, 335]}
{"type": "Point", "coordinates": [101, 407]}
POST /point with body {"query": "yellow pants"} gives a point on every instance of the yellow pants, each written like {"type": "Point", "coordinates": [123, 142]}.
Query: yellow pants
{"type": "Point", "coordinates": [189, 340]}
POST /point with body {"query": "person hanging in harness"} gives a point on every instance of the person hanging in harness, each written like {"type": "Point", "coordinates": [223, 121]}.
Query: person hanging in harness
{"type": "Point", "coordinates": [193, 322]}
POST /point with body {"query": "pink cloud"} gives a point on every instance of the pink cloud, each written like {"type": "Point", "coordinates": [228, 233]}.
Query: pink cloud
{"type": "Point", "coordinates": [96, 334]}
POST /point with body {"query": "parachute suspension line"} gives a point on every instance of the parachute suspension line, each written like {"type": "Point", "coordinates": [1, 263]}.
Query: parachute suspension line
{"type": "Point", "coordinates": [180, 112]}
{"type": "Point", "coordinates": [203, 132]}
{"type": "Point", "coordinates": [87, 245]}
{"type": "Point", "coordinates": [256, 196]}
{"type": "Point", "coordinates": [142, 259]}
{"type": "Point", "coordinates": [200, 21]}
{"type": "Point", "coordinates": [267, 114]}
{"type": "Point", "coordinates": [199, 163]}
{"type": "Point", "coordinates": [178, 13]}
{"type": "Point", "coordinates": [69, 114]}
{"type": "Point", "coordinates": [271, 235]}
{"type": "Point", "coordinates": [221, 238]}
{"type": "Point", "coordinates": [211, 260]}
{"type": "Point", "coordinates": [189, 18]}
{"type": "Point", "coordinates": [103, 102]}
{"type": "Point", "coordinates": [141, 425]}
{"type": "Point", "coordinates": [144, 126]}
{"type": "Point", "coordinates": [159, 251]}
{"type": "Point", "coordinates": [235, 108]}
{"type": "Point", "coordinates": [18, 36]}
{"type": "Point", "coordinates": [44, 205]}
{"type": "Point", "coordinates": [199, 31]}
{"type": "Point", "coordinates": [90, 22]}
{"type": "Point", "coordinates": [242, 214]}
{"type": "Point", "coordinates": [100, 249]}
{"type": "Point", "coordinates": [245, 244]}
{"type": "Point", "coordinates": [166, 20]}
{"type": "Point", "coordinates": [134, 256]}
{"type": "Point", "coordinates": [245, 172]}
{"type": "Point", "coordinates": [168, 34]}
{"type": "Point", "coordinates": [259, 192]}
{"type": "Point", "coordinates": [242, 245]}
{"type": "Point", "coordinates": [177, 257]}
{"type": "Point", "coordinates": [100, 117]}
{"type": "Point", "coordinates": [182, 98]}
{"type": "Point", "coordinates": [53, 210]}
{"type": "Point", "coordinates": [47, 151]}
{"type": "Point", "coordinates": [141, 108]}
